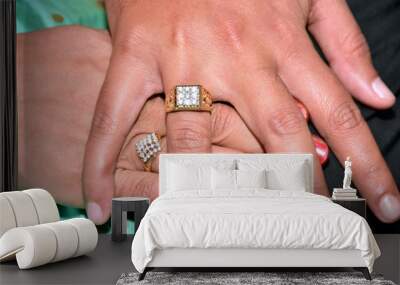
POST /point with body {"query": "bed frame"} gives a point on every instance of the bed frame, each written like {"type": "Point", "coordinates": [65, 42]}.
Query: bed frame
{"type": "Point", "coordinates": [236, 259]}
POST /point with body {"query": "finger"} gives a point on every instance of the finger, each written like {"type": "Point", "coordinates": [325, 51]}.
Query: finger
{"type": "Point", "coordinates": [345, 47]}
{"type": "Point", "coordinates": [123, 94]}
{"type": "Point", "coordinates": [321, 148]}
{"type": "Point", "coordinates": [340, 123]}
{"type": "Point", "coordinates": [130, 161]}
{"type": "Point", "coordinates": [229, 133]}
{"type": "Point", "coordinates": [303, 109]}
{"type": "Point", "coordinates": [139, 183]}
{"type": "Point", "coordinates": [272, 115]}
{"type": "Point", "coordinates": [221, 149]}
{"type": "Point", "coordinates": [187, 131]}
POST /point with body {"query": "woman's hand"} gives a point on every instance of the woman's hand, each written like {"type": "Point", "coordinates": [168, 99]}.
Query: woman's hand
{"type": "Point", "coordinates": [256, 55]}
{"type": "Point", "coordinates": [228, 135]}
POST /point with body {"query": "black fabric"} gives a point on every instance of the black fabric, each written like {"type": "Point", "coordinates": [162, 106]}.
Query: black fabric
{"type": "Point", "coordinates": [8, 115]}
{"type": "Point", "coordinates": [380, 22]}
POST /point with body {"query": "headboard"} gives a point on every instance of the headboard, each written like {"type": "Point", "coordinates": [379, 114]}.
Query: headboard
{"type": "Point", "coordinates": [214, 159]}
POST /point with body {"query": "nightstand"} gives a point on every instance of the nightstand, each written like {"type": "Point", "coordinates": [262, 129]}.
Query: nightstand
{"type": "Point", "coordinates": [120, 207]}
{"type": "Point", "coordinates": [358, 205]}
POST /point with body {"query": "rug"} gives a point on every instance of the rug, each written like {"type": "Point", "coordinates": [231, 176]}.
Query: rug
{"type": "Point", "coordinates": [244, 278]}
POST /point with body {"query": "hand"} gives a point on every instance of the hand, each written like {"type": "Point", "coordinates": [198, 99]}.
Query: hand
{"type": "Point", "coordinates": [51, 151]}
{"type": "Point", "coordinates": [256, 55]}
{"type": "Point", "coordinates": [229, 135]}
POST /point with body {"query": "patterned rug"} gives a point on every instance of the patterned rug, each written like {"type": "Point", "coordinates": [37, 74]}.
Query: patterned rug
{"type": "Point", "coordinates": [244, 278]}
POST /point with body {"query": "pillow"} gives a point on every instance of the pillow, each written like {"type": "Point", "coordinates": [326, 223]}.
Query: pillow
{"type": "Point", "coordinates": [251, 178]}
{"type": "Point", "coordinates": [223, 179]}
{"type": "Point", "coordinates": [184, 177]}
{"type": "Point", "coordinates": [293, 179]}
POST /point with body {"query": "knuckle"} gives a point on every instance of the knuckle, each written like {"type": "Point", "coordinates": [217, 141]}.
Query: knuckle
{"type": "Point", "coordinates": [375, 170]}
{"type": "Point", "coordinates": [124, 46]}
{"type": "Point", "coordinates": [128, 44]}
{"type": "Point", "coordinates": [188, 136]}
{"type": "Point", "coordinates": [231, 32]}
{"type": "Point", "coordinates": [221, 120]}
{"type": "Point", "coordinates": [181, 35]}
{"type": "Point", "coordinates": [288, 33]}
{"type": "Point", "coordinates": [291, 43]}
{"type": "Point", "coordinates": [286, 122]}
{"type": "Point", "coordinates": [345, 117]}
{"type": "Point", "coordinates": [144, 186]}
{"type": "Point", "coordinates": [355, 45]}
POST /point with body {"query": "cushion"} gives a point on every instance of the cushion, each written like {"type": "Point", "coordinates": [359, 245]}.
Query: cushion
{"type": "Point", "coordinates": [23, 208]}
{"type": "Point", "coordinates": [26, 208]}
{"type": "Point", "coordinates": [293, 180]}
{"type": "Point", "coordinates": [289, 175]}
{"type": "Point", "coordinates": [45, 243]}
{"type": "Point", "coordinates": [45, 205]}
{"type": "Point", "coordinates": [251, 178]}
{"type": "Point", "coordinates": [223, 179]}
{"type": "Point", "coordinates": [182, 177]}
{"type": "Point", "coordinates": [7, 218]}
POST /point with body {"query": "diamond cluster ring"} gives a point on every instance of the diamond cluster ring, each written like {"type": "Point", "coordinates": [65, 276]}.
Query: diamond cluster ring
{"type": "Point", "coordinates": [147, 149]}
{"type": "Point", "coordinates": [188, 98]}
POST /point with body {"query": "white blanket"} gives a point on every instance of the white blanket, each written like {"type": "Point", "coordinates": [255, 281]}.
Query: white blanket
{"type": "Point", "coordinates": [250, 218]}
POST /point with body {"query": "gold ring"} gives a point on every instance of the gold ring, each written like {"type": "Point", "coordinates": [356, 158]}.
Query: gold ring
{"type": "Point", "coordinates": [147, 149]}
{"type": "Point", "coordinates": [188, 98]}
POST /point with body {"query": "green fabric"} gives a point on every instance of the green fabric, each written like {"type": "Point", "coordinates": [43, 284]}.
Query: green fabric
{"type": "Point", "coordinates": [67, 212]}
{"type": "Point", "coordinates": [33, 15]}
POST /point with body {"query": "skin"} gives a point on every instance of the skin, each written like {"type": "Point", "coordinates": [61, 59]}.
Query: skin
{"type": "Point", "coordinates": [56, 105]}
{"type": "Point", "coordinates": [255, 55]}
{"type": "Point", "coordinates": [53, 55]}
{"type": "Point", "coordinates": [55, 117]}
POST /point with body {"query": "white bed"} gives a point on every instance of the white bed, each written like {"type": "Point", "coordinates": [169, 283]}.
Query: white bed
{"type": "Point", "coordinates": [203, 218]}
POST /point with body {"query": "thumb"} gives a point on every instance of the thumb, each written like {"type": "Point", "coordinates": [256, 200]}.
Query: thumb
{"type": "Point", "coordinates": [345, 47]}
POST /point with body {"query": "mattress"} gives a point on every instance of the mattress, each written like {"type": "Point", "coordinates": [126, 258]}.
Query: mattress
{"type": "Point", "coordinates": [250, 218]}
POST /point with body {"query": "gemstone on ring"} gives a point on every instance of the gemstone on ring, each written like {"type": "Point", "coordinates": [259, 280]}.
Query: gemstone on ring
{"type": "Point", "coordinates": [148, 147]}
{"type": "Point", "coordinates": [187, 96]}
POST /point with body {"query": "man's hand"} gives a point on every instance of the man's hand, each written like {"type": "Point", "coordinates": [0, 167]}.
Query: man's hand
{"type": "Point", "coordinates": [257, 56]}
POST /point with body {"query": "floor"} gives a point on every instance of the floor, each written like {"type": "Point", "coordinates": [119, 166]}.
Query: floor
{"type": "Point", "coordinates": [389, 263]}
{"type": "Point", "coordinates": [95, 268]}
{"type": "Point", "coordinates": [106, 264]}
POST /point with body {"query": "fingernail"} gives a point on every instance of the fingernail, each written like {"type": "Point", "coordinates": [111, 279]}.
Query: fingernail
{"type": "Point", "coordinates": [321, 148]}
{"type": "Point", "coordinates": [390, 207]}
{"type": "Point", "coordinates": [303, 110]}
{"type": "Point", "coordinates": [94, 212]}
{"type": "Point", "coordinates": [381, 89]}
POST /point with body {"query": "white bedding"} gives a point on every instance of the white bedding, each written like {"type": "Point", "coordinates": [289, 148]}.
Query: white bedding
{"type": "Point", "coordinates": [251, 218]}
